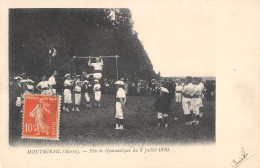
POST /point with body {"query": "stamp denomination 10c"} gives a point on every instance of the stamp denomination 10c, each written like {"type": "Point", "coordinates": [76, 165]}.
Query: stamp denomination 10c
{"type": "Point", "coordinates": [41, 117]}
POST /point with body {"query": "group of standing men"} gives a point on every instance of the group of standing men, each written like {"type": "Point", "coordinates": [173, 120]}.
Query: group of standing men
{"type": "Point", "coordinates": [192, 100]}
{"type": "Point", "coordinates": [188, 96]}
{"type": "Point", "coordinates": [78, 86]}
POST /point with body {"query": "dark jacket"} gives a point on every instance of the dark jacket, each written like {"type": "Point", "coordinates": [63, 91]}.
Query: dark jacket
{"type": "Point", "coordinates": [163, 103]}
{"type": "Point", "coordinates": [17, 89]}
{"type": "Point", "coordinates": [86, 88]}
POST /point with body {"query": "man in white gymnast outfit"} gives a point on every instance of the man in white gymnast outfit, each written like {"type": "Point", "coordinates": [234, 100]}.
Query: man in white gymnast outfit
{"type": "Point", "coordinates": [98, 66]}
{"type": "Point", "coordinates": [52, 82]}
{"type": "Point", "coordinates": [120, 104]}
{"type": "Point", "coordinates": [97, 92]}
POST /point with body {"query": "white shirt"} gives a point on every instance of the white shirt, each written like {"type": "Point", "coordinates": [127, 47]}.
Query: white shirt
{"type": "Point", "coordinates": [197, 90]}
{"type": "Point", "coordinates": [97, 66]}
{"type": "Point", "coordinates": [120, 93]}
{"type": "Point", "coordinates": [201, 85]}
{"type": "Point", "coordinates": [67, 82]}
{"type": "Point", "coordinates": [30, 87]}
{"type": "Point", "coordinates": [52, 81]}
{"type": "Point", "coordinates": [188, 89]}
{"type": "Point", "coordinates": [43, 85]}
{"type": "Point", "coordinates": [78, 82]}
{"type": "Point", "coordinates": [77, 88]}
{"type": "Point", "coordinates": [179, 87]}
{"type": "Point", "coordinates": [97, 87]}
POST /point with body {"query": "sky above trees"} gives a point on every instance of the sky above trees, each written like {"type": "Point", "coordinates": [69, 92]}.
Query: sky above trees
{"type": "Point", "coordinates": [179, 37]}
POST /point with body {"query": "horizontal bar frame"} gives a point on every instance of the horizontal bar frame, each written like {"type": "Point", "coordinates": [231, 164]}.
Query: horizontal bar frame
{"type": "Point", "coordinates": [116, 56]}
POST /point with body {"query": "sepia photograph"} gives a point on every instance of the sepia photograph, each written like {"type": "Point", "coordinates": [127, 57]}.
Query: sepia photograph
{"type": "Point", "coordinates": [112, 90]}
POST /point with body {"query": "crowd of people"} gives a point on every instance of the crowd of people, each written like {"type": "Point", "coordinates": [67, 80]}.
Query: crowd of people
{"type": "Point", "coordinates": [188, 93]}
{"type": "Point", "coordinates": [139, 87]}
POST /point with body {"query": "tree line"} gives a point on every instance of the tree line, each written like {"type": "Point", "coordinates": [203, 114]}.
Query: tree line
{"type": "Point", "coordinates": [35, 34]}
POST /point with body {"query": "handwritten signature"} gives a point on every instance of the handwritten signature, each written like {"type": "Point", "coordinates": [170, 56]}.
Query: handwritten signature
{"type": "Point", "coordinates": [243, 157]}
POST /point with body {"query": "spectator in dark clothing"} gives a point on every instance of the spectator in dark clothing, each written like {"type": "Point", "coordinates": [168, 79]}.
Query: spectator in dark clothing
{"type": "Point", "coordinates": [174, 87]}
{"type": "Point", "coordinates": [163, 106]}
{"type": "Point", "coordinates": [17, 88]}
{"type": "Point", "coordinates": [171, 89]}
{"type": "Point", "coordinates": [153, 87]}
{"type": "Point", "coordinates": [15, 115]}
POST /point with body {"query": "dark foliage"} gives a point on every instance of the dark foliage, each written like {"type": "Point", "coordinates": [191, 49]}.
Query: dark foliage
{"type": "Point", "coordinates": [80, 32]}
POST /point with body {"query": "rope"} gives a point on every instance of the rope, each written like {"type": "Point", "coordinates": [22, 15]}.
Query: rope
{"type": "Point", "coordinates": [70, 61]}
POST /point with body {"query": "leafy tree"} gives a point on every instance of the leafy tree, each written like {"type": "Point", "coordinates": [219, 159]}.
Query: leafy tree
{"type": "Point", "coordinates": [75, 32]}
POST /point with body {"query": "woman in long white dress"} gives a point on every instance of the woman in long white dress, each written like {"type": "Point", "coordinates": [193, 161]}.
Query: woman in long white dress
{"type": "Point", "coordinates": [38, 111]}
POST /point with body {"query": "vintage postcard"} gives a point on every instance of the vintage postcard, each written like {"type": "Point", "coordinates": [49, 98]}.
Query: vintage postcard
{"type": "Point", "coordinates": [135, 84]}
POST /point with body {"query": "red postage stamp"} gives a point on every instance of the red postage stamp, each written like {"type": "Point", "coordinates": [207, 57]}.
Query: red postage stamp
{"type": "Point", "coordinates": [41, 117]}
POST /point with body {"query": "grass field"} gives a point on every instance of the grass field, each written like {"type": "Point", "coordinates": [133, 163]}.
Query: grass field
{"type": "Point", "coordinates": [96, 126]}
